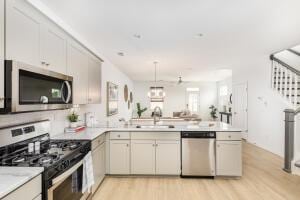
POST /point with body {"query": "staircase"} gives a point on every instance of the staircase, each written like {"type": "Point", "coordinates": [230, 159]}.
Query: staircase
{"type": "Point", "coordinates": [286, 80]}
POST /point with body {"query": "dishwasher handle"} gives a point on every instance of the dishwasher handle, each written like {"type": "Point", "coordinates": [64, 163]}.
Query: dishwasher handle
{"type": "Point", "coordinates": [198, 134]}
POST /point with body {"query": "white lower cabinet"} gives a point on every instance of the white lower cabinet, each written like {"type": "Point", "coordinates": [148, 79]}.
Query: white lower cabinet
{"type": "Point", "coordinates": [143, 156]}
{"type": "Point", "coordinates": [98, 155]}
{"type": "Point", "coordinates": [119, 156]}
{"type": "Point", "coordinates": [229, 158]}
{"type": "Point", "coordinates": [29, 191]}
{"type": "Point", "coordinates": [168, 157]}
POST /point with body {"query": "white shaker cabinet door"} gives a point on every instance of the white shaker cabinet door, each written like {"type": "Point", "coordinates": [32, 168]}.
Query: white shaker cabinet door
{"type": "Point", "coordinates": [168, 157]}
{"type": "Point", "coordinates": [78, 68]}
{"type": "Point", "coordinates": [54, 50]}
{"type": "Point", "coordinates": [23, 36]}
{"type": "Point", "coordinates": [94, 92]}
{"type": "Point", "coordinates": [119, 156]}
{"type": "Point", "coordinates": [98, 155]}
{"type": "Point", "coordinates": [143, 157]}
{"type": "Point", "coordinates": [229, 158]}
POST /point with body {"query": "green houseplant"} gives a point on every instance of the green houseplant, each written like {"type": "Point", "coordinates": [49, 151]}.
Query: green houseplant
{"type": "Point", "coordinates": [73, 119]}
{"type": "Point", "coordinates": [140, 110]}
{"type": "Point", "coordinates": [213, 112]}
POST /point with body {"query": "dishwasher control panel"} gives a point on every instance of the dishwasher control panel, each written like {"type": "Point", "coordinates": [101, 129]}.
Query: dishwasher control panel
{"type": "Point", "coordinates": [198, 134]}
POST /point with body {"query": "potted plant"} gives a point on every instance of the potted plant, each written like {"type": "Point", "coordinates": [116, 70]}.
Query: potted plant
{"type": "Point", "coordinates": [213, 112]}
{"type": "Point", "coordinates": [140, 110]}
{"type": "Point", "coordinates": [73, 119]}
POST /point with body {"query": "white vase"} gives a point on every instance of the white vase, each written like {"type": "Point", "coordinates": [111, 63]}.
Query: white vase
{"type": "Point", "coordinates": [73, 124]}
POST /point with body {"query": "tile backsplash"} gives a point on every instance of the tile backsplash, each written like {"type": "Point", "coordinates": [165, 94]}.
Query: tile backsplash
{"type": "Point", "coordinates": [58, 119]}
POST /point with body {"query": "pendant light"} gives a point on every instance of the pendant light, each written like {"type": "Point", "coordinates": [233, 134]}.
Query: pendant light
{"type": "Point", "coordinates": [156, 92]}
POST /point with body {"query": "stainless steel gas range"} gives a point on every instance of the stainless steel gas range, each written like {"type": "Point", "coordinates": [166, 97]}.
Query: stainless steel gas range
{"type": "Point", "coordinates": [29, 145]}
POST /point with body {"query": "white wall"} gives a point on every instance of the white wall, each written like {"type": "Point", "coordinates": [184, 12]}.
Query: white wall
{"type": "Point", "coordinates": [175, 99]}
{"type": "Point", "coordinates": [265, 121]}
{"type": "Point", "coordinates": [59, 118]}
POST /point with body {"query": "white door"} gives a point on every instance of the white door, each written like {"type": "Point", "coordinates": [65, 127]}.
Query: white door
{"type": "Point", "coordinates": [54, 50]}
{"type": "Point", "coordinates": [142, 156]}
{"type": "Point", "coordinates": [229, 158]}
{"type": "Point", "coordinates": [78, 68]}
{"type": "Point", "coordinates": [1, 53]}
{"type": "Point", "coordinates": [94, 93]}
{"type": "Point", "coordinates": [22, 33]}
{"type": "Point", "coordinates": [240, 108]}
{"type": "Point", "coordinates": [168, 157]}
{"type": "Point", "coordinates": [119, 156]}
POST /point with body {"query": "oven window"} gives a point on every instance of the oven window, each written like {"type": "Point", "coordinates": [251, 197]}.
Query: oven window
{"type": "Point", "coordinates": [40, 89]}
{"type": "Point", "coordinates": [70, 189]}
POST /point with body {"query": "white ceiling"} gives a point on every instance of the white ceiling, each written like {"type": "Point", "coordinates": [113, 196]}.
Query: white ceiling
{"type": "Point", "coordinates": [233, 31]}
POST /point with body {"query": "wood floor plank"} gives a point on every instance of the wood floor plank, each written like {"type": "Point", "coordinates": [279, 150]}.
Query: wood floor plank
{"type": "Point", "coordinates": [263, 179]}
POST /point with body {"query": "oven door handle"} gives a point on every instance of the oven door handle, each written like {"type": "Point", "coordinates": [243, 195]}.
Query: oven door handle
{"type": "Point", "coordinates": [66, 174]}
{"type": "Point", "coordinates": [69, 91]}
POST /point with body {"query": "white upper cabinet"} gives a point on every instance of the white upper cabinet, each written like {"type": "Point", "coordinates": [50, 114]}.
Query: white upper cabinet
{"type": "Point", "coordinates": [142, 156]}
{"type": "Point", "coordinates": [94, 91]}
{"type": "Point", "coordinates": [1, 53]}
{"type": "Point", "coordinates": [54, 50]}
{"type": "Point", "coordinates": [23, 30]}
{"type": "Point", "coordinates": [77, 61]}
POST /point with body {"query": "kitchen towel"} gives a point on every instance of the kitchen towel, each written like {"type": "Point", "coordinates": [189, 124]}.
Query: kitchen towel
{"type": "Point", "coordinates": [88, 173]}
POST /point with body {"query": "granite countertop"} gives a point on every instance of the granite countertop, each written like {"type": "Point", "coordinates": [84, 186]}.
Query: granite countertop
{"type": "Point", "coordinates": [92, 133]}
{"type": "Point", "coordinates": [12, 178]}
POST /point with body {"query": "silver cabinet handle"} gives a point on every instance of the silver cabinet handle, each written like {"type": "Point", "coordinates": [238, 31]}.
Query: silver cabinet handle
{"type": "Point", "coordinates": [47, 64]}
{"type": "Point", "coordinates": [127, 145]}
{"type": "Point", "coordinates": [153, 145]}
{"type": "Point", "coordinates": [43, 62]}
{"type": "Point", "coordinates": [69, 91]}
{"type": "Point", "coordinates": [2, 98]}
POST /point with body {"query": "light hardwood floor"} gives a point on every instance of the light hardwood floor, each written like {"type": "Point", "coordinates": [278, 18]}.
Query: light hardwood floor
{"type": "Point", "coordinates": [262, 179]}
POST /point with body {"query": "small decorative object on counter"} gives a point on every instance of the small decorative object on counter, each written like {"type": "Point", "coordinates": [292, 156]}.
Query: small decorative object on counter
{"type": "Point", "coordinates": [213, 112]}
{"type": "Point", "coordinates": [73, 118]}
{"type": "Point", "coordinates": [139, 110]}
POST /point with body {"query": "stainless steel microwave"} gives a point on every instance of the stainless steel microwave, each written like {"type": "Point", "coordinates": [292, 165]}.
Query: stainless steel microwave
{"type": "Point", "coordinates": [29, 88]}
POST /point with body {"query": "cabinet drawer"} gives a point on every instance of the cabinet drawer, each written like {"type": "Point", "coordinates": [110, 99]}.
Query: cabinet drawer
{"type": "Point", "coordinates": [98, 141]}
{"type": "Point", "coordinates": [119, 135]}
{"type": "Point", "coordinates": [229, 136]}
{"type": "Point", "coordinates": [155, 135]}
{"type": "Point", "coordinates": [28, 191]}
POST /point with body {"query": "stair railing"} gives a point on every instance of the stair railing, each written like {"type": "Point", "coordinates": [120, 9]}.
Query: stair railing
{"type": "Point", "coordinates": [286, 81]}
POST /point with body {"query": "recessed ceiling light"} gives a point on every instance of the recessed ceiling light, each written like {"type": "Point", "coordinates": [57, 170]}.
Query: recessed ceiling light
{"type": "Point", "coordinates": [138, 36]}
{"type": "Point", "coordinates": [120, 54]}
{"type": "Point", "coordinates": [199, 35]}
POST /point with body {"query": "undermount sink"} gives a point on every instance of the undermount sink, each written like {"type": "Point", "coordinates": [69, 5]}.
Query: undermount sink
{"type": "Point", "coordinates": [155, 126]}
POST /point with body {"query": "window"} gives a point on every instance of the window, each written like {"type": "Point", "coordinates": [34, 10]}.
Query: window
{"type": "Point", "coordinates": [223, 90]}
{"type": "Point", "coordinates": [192, 95]}
{"type": "Point", "coordinates": [154, 104]}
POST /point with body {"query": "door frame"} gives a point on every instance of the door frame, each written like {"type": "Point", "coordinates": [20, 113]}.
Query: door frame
{"type": "Point", "coordinates": [244, 132]}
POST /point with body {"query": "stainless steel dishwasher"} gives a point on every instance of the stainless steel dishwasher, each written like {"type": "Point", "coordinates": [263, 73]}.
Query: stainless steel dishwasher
{"type": "Point", "coordinates": [198, 155]}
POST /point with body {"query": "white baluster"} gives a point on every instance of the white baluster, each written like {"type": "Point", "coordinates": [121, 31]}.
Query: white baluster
{"type": "Point", "coordinates": [285, 82]}
{"type": "Point", "coordinates": [280, 79]}
{"type": "Point", "coordinates": [291, 86]}
{"type": "Point", "coordinates": [272, 75]}
{"type": "Point", "coordinates": [296, 90]}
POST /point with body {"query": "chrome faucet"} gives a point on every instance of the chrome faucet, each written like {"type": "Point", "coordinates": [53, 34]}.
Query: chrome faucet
{"type": "Point", "coordinates": [157, 112]}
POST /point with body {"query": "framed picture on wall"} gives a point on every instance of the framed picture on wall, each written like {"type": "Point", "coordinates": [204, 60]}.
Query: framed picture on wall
{"type": "Point", "coordinates": [112, 99]}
